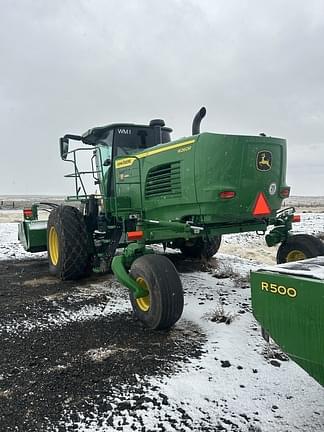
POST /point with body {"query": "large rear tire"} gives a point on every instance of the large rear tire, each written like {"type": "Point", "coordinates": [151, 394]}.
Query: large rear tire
{"type": "Point", "coordinates": [201, 248]}
{"type": "Point", "coordinates": [163, 306]}
{"type": "Point", "coordinates": [299, 247]}
{"type": "Point", "coordinates": [67, 243]}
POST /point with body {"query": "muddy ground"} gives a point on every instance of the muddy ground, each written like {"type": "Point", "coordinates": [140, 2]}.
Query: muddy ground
{"type": "Point", "coordinates": [52, 363]}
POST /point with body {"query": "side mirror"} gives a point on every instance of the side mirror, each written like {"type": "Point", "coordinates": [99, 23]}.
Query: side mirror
{"type": "Point", "coordinates": [107, 162]}
{"type": "Point", "coordinates": [64, 147]}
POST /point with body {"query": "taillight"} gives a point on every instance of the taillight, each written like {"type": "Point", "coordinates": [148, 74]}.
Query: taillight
{"type": "Point", "coordinates": [28, 213]}
{"type": "Point", "coordinates": [227, 194]}
{"type": "Point", "coordinates": [284, 192]}
{"type": "Point", "coordinates": [135, 235]}
{"type": "Point", "coordinates": [296, 218]}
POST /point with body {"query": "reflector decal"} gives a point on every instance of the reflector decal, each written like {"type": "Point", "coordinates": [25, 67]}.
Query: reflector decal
{"type": "Point", "coordinates": [272, 188]}
{"type": "Point", "coordinates": [261, 206]}
{"type": "Point", "coordinates": [135, 235]}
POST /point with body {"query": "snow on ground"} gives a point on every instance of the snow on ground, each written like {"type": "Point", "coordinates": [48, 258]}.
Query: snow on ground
{"type": "Point", "coordinates": [10, 248]}
{"type": "Point", "coordinates": [253, 246]}
{"type": "Point", "coordinates": [63, 317]}
{"type": "Point", "coordinates": [252, 391]}
{"type": "Point", "coordinates": [240, 383]}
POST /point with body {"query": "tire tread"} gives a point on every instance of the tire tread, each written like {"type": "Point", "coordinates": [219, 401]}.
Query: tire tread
{"type": "Point", "coordinates": [73, 238]}
{"type": "Point", "coordinates": [310, 245]}
{"type": "Point", "coordinates": [160, 272]}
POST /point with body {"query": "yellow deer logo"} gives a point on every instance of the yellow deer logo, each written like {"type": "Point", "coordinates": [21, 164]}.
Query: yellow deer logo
{"type": "Point", "coordinates": [264, 161]}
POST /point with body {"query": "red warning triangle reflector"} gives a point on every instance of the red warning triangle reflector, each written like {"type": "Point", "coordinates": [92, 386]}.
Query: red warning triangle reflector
{"type": "Point", "coordinates": [261, 206]}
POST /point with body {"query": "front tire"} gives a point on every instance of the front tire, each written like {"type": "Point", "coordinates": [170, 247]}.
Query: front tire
{"type": "Point", "coordinates": [163, 306]}
{"type": "Point", "coordinates": [299, 247]}
{"type": "Point", "coordinates": [67, 243]}
{"type": "Point", "coordinates": [201, 248]}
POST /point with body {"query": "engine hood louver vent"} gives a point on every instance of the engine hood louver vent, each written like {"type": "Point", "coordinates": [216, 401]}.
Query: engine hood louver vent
{"type": "Point", "coordinates": [163, 180]}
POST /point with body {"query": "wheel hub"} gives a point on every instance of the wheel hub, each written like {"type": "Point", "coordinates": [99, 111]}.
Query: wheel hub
{"type": "Point", "coordinates": [53, 245]}
{"type": "Point", "coordinates": [296, 255]}
{"type": "Point", "coordinates": [144, 303]}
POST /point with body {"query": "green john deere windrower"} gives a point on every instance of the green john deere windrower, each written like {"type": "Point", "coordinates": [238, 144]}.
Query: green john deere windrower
{"type": "Point", "coordinates": [183, 194]}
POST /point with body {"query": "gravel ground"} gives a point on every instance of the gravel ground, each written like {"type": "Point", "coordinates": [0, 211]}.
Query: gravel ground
{"type": "Point", "coordinates": [71, 363]}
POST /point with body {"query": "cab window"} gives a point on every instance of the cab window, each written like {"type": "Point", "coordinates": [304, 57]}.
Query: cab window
{"type": "Point", "coordinates": [130, 140]}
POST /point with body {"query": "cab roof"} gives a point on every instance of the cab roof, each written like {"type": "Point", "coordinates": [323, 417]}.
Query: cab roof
{"type": "Point", "coordinates": [91, 135]}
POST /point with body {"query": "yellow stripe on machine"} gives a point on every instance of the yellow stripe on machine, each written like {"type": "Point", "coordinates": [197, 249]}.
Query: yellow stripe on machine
{"type": "Point", "coordinates": [126, 162]}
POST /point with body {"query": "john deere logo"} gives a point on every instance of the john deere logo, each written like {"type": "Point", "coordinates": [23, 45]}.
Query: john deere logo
{"type": "Point", "coordinates": [264, 160]}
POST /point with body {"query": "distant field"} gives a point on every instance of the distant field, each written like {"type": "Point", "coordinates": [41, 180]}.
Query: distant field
{"type": "Point", "coordinates": [20, 201]}
{"type": "Point", "coordinates": [306, 204]}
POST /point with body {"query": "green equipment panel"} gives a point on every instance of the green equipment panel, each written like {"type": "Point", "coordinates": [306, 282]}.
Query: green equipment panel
{"type": "Point", "coordinates": [33, 235]}
{"type": "Point", "coordinates": [288, 302]}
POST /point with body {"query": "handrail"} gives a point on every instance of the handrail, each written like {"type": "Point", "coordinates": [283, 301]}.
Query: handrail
{"type": "Point", "coordinates": [77, 174]}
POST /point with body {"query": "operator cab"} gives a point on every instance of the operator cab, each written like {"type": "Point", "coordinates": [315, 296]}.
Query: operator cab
{"type": "Point", "coordinates": [127, 138]}
{"type": "Point", "coordinates": [111, 141]}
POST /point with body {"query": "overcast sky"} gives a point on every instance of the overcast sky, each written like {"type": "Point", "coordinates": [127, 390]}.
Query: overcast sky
{"type": "Point", "coordinates": [66, 66]}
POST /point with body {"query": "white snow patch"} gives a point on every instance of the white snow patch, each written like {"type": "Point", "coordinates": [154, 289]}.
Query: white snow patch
{"type": "Point", "coordinates": [233, 382]}
{"type": "Point", "coordinates": [10, 247]}
{"type": "Point", "coordinates": [66, 316]}
{"type": "Point", "coordinates": [101, 354]}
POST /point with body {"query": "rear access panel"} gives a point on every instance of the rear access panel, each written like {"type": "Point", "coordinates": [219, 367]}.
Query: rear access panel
{"type": "Point", "coordinates": [248, 167]}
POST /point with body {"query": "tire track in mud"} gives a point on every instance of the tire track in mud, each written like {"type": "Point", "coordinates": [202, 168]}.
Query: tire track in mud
{"type": "Point", "coordinates": [86, 363]}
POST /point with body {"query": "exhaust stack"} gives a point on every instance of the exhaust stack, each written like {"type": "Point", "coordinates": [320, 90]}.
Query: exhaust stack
{"type": "Point", "coordinates": [197, 120]}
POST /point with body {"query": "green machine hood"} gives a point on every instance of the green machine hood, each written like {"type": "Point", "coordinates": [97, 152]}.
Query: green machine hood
{"type": "Point", "coordinates": [213, 178]}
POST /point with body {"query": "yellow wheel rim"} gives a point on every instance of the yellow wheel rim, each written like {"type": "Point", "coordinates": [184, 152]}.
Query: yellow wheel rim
{"type": "Point", "coordinates": [144, 303]}
{"type": "Point", "coordinates": [53, 245]}
{"type": "Point", "coordinates": [295, 255]}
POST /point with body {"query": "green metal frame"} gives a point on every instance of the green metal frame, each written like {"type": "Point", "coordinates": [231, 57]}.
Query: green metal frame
{"type": "Point", "coordinates": [122, 263]}
{"type": "Point", "coordinates": [282, 227]}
